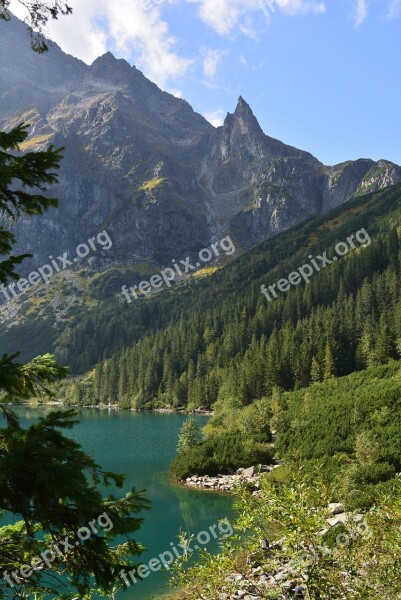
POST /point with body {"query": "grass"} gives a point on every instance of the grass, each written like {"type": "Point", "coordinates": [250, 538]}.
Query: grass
{"type": "Point", "coordinates": [206, 271]}
{"type": "Point", "coordinates": [35, 141]}
{"type": "Point", "coordinates": [152, 184]}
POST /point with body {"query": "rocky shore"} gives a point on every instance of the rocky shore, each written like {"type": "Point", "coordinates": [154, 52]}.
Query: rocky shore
{"type": "Point", "coordinates": [227, 483]}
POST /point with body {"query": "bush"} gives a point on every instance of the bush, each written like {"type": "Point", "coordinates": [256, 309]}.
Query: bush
{"type": "Point", "coordinates": [363, 485]}
{"type": "Point", "coordinates": [222, 454]}
{"type": "Point", "coordinates": [374, 473]}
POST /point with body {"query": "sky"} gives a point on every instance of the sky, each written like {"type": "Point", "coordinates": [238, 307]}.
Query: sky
{"type": "Point", "coordinates": [321, 75]}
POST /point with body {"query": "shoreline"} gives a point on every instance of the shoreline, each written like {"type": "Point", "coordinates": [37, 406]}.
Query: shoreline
{"type": "Point", "coordinates": [37, 404]}
{"type": "Point", "coordinates": [224, 484]}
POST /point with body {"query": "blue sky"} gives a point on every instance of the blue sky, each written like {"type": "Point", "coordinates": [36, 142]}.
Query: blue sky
{"type": "Point", "coordinates": [322, 75]}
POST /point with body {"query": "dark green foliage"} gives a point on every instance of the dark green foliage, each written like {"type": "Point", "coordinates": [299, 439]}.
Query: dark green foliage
{"type": "Point", "coordinates": [17, 175]}
{"type": "Point", "coordinates": [326, 418]}
{"type": "Point", "coordinates": [221, 343]}
{"type": "Point", "coordinates": [329, 539]}
{"type": "Point", "coordinates": [24, 381]}
{"type": "Point", "coordinates": [222, 454]}
{"type": "Point", "coordinates": [366, 497]}
{"type": "Point", "coordinates": [351, 428]}
{"type": "Point", "coordinates": [197, 461]}
{"type": "Point", "coordinates": [366, 474]}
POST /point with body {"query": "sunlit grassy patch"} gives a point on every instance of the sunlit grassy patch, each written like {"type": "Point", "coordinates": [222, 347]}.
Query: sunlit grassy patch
{"type": "Point", "coordinates": [152, 184]}
{"type": "Point", "coordinates": [206, 271]}
{"type": "Point", "coordinates": [35, 141]}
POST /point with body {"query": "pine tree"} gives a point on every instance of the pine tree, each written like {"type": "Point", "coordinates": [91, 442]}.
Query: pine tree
{"type": "Point", "coordinates": [329, 369]}
{"type": "Point", "coordinates": [316, 372]}
{"type": "Point", "coordinates": [189, 436]}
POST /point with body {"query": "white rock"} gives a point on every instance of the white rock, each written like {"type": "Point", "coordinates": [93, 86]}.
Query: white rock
{"type": "Point", "coordinates": [250, 471]}
{"type": "Point", "coordinates": [341, 518]}
{"type": "Point", "coordinates": [335, 508]}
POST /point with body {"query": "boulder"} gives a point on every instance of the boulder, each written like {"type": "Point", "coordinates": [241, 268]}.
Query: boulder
{"type": "Point", "coordinates": [335, 508]}
{"type": "Point", "coordinates": [341, 518]}
{"type": "Point", "coordinates": [250, 472]}
{"type": "Point", "coordinates": [290, 585]}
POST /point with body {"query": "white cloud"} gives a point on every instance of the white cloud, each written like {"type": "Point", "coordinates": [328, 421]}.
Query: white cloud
{"type": "Point", "coordinates": [123, 26]}
{"type": "Point", "coordinates": [211, 61]}
{"type": "Point", "coordinates": [225, 16]}
{"type": "Point", "coordinates": [360, 12]}
{"type": "Point", "coordinates": [135, 28]}
{"type": "Point", "coordinates": [297, 7]}
{"type": "Point", "coordinates": [394, 9]}
{"type": "Point", "coordinates": [215, 117]}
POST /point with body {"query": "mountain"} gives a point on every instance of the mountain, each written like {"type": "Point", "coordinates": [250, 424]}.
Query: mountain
{"type": "Point", "coordinates": [143, 165]}
{"type": "Point", "coordinates": [222, 343]}
{"type": "Point", "coordinates": [209, 329]}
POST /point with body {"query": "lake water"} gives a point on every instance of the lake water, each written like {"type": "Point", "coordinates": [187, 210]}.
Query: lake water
{"type": "Point", "coordinates": [141, 445]}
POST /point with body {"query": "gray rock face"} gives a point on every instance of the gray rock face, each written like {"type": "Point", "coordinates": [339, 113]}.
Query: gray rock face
{"type": "Point", "coordinates": [143, 165]}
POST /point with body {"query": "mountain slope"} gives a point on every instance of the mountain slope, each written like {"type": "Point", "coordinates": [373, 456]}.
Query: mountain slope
{"type": "Point", "coordinates": [220, 342]}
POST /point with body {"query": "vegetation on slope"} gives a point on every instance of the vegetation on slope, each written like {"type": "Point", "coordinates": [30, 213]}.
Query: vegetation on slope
{"type": "Point", "coordinates": [357, 559]}
{"type": "Point", "coordinates": [225, 346]}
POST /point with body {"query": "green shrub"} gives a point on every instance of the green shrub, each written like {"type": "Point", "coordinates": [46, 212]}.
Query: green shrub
{"type": "Point", "coordinates": [367, 492]}
{"type": "Point", "coordinates": [330, 537]}
{"type": "Point", "coordinates": [194, 461]}
{"type": "Point", "coordinates": [376, 473]}
{"type": "Point", "coordinates": [222, 454]}
{"type": "Point", "coordinates": [280, 476]}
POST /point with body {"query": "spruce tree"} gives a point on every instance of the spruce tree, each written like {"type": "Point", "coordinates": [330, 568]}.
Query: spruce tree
{"type": "Point", "coordinates": [189, 436]}
{"type": "Point", "coordinates": [329, 369]}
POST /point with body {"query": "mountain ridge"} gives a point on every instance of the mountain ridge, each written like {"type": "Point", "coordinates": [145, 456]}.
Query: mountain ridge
{"type": "Point", "coordinates": [121, 131]}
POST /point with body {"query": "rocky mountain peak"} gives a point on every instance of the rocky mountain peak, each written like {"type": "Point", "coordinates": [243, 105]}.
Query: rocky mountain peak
{"type": "Point", "coordinates": [112, 69]}
{"type": "Point", "coordinates": [105, 58]}
{"type": "Point", "coordinates": [243, 121]}
{"type": "Point", "coordinates": [243, 107]}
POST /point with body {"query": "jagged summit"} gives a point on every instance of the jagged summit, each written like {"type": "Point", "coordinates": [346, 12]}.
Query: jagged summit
{"type": "Point", "coordinates": [242, 105]}
{"type": "Point", "coordinates": [242, 121]}
{"type": "Point", "coordinates": [107, 66]}
{"type": "Point", "coordinates": [104, 59]}
{"type": "Point", "coordinates": [108, 58]}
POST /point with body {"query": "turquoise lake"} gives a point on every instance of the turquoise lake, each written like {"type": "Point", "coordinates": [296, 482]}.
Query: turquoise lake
{"type": "Point", "coordinates": [141, 445]}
